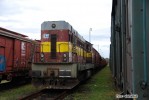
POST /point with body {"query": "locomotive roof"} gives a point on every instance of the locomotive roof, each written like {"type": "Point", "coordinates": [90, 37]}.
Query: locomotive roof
{"type": "Point", "coordinates": [47, 25]}
{"type": "Point", "coordinates": [60, 25]}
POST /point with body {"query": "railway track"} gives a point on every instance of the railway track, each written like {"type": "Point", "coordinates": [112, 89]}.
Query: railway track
{"type": "Point", "coordinates": [46, 94]}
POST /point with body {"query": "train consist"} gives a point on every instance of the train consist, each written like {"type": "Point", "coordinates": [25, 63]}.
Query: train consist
{"type": "Point", "coordinates": [63, 58]}
{"type": "Point", "coordinates": [129, 60]}
{"type": "Point", "coordinates": [16, 53]}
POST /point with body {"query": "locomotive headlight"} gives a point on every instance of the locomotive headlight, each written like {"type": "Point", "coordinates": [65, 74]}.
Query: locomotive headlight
{"type": "Point", "coordinates": [53, 25]}
{"type": "Point", "coordinates": [65, 57]}
{"type": "Point", "coordinates": [42, 57]}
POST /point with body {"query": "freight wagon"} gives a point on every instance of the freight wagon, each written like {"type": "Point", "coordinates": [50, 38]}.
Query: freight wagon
{"type": "Point", "coordinates": [129, 49]}
{"type": "Point", "coordinates": [16, 53]}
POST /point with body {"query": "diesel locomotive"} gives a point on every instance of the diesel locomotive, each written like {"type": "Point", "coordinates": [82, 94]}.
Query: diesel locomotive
{"type": "Point", "coordinates": [63, 57]}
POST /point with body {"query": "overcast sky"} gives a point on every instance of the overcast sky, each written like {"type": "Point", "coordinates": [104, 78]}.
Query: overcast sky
{"type": "Point", "coordinates": [26, 16]}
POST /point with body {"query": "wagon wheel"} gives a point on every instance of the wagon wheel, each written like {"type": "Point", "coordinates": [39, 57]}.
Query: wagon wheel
{"type": "Point", "coordinates": [9, 77]}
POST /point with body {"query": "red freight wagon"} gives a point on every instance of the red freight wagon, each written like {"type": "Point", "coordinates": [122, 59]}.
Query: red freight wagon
{"type": "Point", "coordinates": [16, 53]}
{"type": "Point", "coordinates": [95, 58]}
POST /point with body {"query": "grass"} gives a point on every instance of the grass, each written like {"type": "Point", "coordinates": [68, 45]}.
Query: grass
{"type": "Point", "coordinates": [99, 87]}
{"type": "Point", "coordinates": [14, 94]}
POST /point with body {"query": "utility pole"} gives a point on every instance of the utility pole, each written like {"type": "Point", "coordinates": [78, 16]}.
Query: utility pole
{"type": "Point", "coordinates": [90, 34]}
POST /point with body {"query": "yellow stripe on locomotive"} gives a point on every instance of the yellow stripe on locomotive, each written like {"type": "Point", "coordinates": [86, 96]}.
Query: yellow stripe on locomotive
{"type": "Point", "coordinates": [63, 47]}
{"type": "Point", "coordinates": [60, 47]}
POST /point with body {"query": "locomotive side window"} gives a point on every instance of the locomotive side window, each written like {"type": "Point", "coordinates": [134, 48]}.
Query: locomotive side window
{"type": "Point", "coordinates": [70, 38]}
{"type": "Point", "coordinates": [88, 48]}
{"type": "Point", "coordinates": [53, 46]}
{"type": "Point", "coordinates": [74, 40]}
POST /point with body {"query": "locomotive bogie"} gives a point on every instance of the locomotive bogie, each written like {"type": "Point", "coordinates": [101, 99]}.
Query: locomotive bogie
{"type": "Point", "coordinates": [60, 76]}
